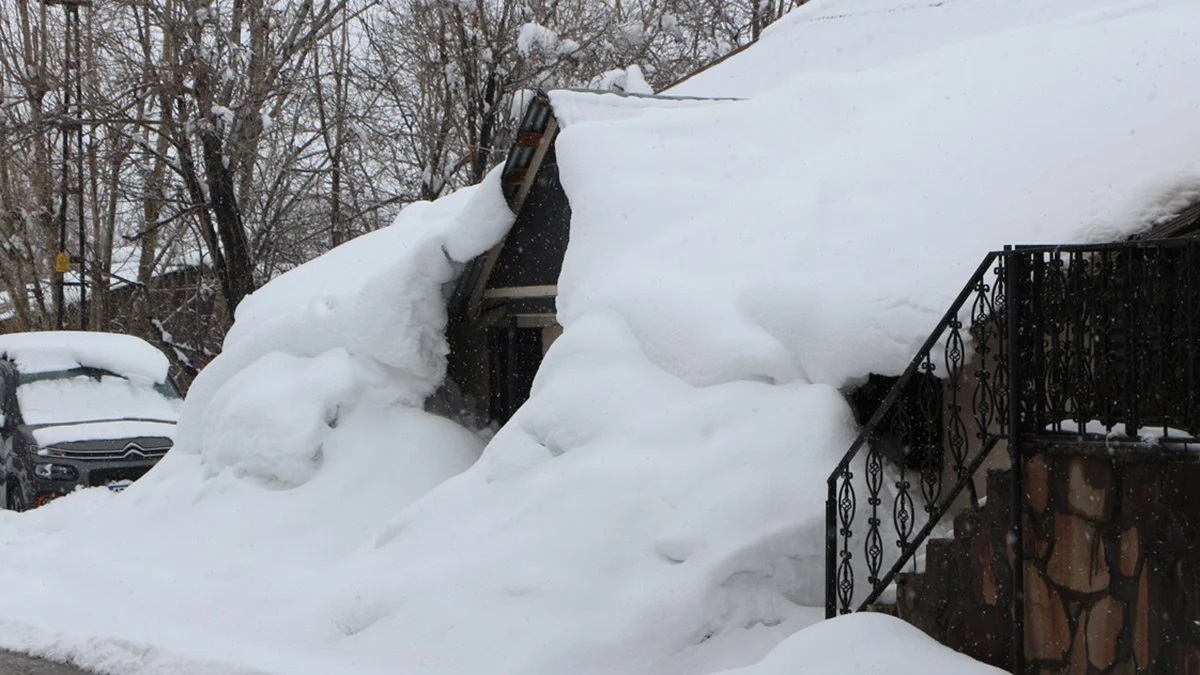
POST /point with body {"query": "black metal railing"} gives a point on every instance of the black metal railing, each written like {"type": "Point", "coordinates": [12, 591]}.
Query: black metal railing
{"type": "Point", "coordinates": [1074, 343]}
{"type": "Point", "coordinates": [1112, 334]}
{"type": "Point", "coordinates": [972, 415]}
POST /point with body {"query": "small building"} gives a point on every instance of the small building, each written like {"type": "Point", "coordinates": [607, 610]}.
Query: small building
{"type": "Point", "coordinates": [502, 313]}
{"type": "Point", "coordinates": [932, 456]}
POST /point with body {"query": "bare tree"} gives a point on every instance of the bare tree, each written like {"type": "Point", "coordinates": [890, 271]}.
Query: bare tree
{"type": "Point", "coordinates": [226, 141]}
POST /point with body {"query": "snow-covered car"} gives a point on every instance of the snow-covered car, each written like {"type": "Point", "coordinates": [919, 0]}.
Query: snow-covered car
{"type": "Point", "coordinates": [80, 410]}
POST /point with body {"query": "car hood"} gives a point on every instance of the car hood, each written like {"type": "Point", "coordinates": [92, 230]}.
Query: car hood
{"type": "Point", "coordinates": [101, 430]}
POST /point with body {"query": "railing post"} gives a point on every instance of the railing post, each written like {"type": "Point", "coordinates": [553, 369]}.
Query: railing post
{"type": "Point", "coordinates": [1014, 270]}
{"type": "Point", "coordinates": [831, 551]}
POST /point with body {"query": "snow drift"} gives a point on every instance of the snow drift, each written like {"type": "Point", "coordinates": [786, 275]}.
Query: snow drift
{"type": "Point", "coordinates": [295, 447]}
{"type": "Point", "coordinates": [123, 355]}
{"type": "Point", "coordinates": [861, 644]}
{"type": "Point", "coordinates": [656, 507]}
{"type": "Point", "coordinates": [361, 326]}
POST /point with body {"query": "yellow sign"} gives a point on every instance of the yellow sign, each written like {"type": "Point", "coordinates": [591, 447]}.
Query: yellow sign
{"type": "Point", "coordinates": [62, 263]}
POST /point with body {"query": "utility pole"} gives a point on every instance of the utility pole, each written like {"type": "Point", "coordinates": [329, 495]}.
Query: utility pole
{"type": "Point", "coordinates": [71, 184]}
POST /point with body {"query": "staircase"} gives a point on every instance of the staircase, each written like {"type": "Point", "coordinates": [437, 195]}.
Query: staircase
{"type": "Point", "coordinates": [962, 597]}
{"type": "Point", "coordinates": [1064, 361]}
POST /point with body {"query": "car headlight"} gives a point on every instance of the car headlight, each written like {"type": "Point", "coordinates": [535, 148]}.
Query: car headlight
{"type": "Point", "coordinates": [55, 471]}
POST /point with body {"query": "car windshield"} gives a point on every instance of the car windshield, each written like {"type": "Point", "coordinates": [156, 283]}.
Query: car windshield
{"type": "Point", "coordinates": [86, 394]}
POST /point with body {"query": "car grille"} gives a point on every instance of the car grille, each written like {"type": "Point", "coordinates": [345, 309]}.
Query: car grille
{"type": "Point", "coordinates": [99, 477]}
{"type": "Point", "coordinates": [147, 453]}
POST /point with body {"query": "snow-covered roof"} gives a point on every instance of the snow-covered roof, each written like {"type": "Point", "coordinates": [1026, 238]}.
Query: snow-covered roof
{"type": "Point", "coordinates": [834, 214]}
{"type": "Point", "coordinates": [48, 351]}
{"type": "Point", "coordinates": [123, 273]}
{"type": "Point", "coordinates": [846, 36]}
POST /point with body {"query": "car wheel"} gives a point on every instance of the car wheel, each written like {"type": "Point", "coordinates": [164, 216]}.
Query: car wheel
{"type": "Point", "coordinates": [13, 499]}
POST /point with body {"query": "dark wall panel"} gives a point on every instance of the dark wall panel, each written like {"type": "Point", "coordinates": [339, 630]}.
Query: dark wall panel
{"type": "Point", "coordinates": [533, 253]}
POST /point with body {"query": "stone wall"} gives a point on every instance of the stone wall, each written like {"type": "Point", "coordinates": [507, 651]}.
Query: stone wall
{"type": "Point", "coordinates": [1112, 565]}
{"type": "Point", "coordinates": [1112, 560]}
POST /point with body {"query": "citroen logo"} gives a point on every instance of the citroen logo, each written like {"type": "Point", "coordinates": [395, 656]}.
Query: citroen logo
{"type": "Point", "coordinates": [134, 450]}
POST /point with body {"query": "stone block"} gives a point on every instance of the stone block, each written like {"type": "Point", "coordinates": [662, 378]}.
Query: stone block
{"type": "Point", "coordinates": [1037, 483]}
{"type": "Point", "coordinates": [1077, 561]}
{"type": "Point", "coordinates": [1037, 542]}
{"type": "Point", "coordinates": [989, 587]}
{"type": "Point", "coordinates": [1088, 483]}
{"type": "Point", "coordinates": [1141, 623]}
{"type": "Point", "coordinates": [1047, 630]}
{"type": "Point", "coordinates": [1125, 667]}
{"type": "Point", "coordinates": [1104, 623]}
{"type": "Point", "coordinates": [1130, 551]}
{"type": "Point", "coordinates": [1078, 659]}
{"type": "Point", "coordinates": [1140, 485]}
{"type": "Point", "coordinates": [1189, 660]}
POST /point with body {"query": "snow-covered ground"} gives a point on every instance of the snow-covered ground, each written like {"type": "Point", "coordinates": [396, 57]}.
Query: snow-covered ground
{"type": "Point", "coordinates": [657, 506]}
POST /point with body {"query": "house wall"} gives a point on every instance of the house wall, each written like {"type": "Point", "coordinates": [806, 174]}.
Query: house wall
{"type": "Point", "coordinates": [1112, 571]}
{"type": "Point", "coordinates": [533, 252]}
{"type": "Point", "coordinates": [467, 366]}
{"type": "Point", "coordinates": [1111, 565]}
{"type": "Point", "coordinates": [480, 363]}
{"type": "Point", "coordinates": [518, 294]}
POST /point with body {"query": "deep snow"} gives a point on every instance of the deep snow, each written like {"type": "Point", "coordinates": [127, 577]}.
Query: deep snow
{"type": "Point", "coordinates": [124, 355]}
{"type": "Point", "coordinates": [656, 507]}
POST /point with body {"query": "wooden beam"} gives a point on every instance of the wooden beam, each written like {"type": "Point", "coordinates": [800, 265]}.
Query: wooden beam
{"type": "Point", "coordinates": [512, 292]}
{"type": "Point", "coordinates": [535, 164]}
{"type": "Point", "coordinates": [490, 258]}
{"type": "Point", "coordinates": [529, 139]}
{"type": "Point", "coordinates": [499, 318]}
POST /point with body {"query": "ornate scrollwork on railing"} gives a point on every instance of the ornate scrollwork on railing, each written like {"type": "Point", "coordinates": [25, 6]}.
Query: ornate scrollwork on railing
{"type": "Point", "coordinates": [1094, 343]}
{"type": "Point", "coordinates": [1111, 341]}
{"type": "Point", "coordinates": [925, 423]}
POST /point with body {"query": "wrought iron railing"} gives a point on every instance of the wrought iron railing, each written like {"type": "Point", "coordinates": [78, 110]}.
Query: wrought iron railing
{"type": "Point", "coordinates": [1110, 337]}
{"type": "Point", "coordinates": [971, 405]}
{"type": "Point", "coordinates": [1098, 343]}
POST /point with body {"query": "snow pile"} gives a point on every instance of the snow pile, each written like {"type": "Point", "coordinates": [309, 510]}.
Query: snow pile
{"type": "Point", "coordinates": [629, 80]}
{"type": "Point", "coordinates": [184, 574]}
{"type": "Point", "coordinates": [817, 231]}
{"type": "Point", "coordinates": [846, 36]}
{"type": "Point", "coordinates": [124, 355]}
{"type": "Point", "coordinates": [864, 643]}
{"type": "Point", "coordinates": [82, 397]}
{"type": "Point", "coordinates": [136, 388]}
{"type": "Point", "coordinates": [666, 519]}
{"type": "Point", "coordinates": [657, 506]}
{"type": "Point", "coordinates": [731, 265]}
{"type": "Point", "coordinates": [118, 428]}
{"type": "Point", "coordinates": [361, 326]}
{"type": "Point", "coordinates": [296, 447]}
{"type": "Point", "coordinates": [534, 39]}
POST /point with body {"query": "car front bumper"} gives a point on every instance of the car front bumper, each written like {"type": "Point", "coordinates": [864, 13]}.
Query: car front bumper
{"type": "Point", "coordinates": [90, 473]}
